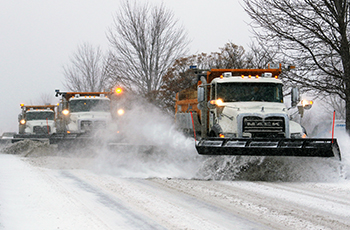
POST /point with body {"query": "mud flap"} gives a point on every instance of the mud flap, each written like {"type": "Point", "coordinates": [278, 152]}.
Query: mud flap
{"type": "Point", "coordinates": [303, 147]}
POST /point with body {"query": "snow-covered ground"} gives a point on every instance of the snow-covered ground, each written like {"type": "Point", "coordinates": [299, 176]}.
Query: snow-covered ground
{"type": "Point", "coordinates": [171, 188]}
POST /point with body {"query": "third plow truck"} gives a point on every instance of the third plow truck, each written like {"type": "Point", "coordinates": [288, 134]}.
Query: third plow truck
{"type": "Point", "coordinates": [242, 112]}
{"type": "Point", "coordinates": [36, 122]}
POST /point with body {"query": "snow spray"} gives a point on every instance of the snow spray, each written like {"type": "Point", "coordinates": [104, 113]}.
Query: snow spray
{"type": "Point", "coordinates": [153, 147]}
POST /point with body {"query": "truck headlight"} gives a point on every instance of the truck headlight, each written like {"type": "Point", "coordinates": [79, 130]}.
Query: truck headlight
{"type": "Point", "coordinates": [22, 122]}
{"type": "Point", "coordinates": [218, 102]}
{"type": "Point", "coordinates": [65, 112]}
{"type": "Point", "coordinates": [120, 112]}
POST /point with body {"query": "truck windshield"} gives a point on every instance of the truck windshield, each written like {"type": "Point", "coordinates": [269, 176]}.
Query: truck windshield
{"type": "Point", "coordinates": [86, 105]}
{"type": "Point", "coordinates": [42, 115]}
{"type": "Point", "coordinates": [235, 92]}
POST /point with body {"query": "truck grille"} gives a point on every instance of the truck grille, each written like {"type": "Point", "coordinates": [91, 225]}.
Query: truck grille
{"type": "Point", "coordinates": [264, 127]}
{"type": "Point", "coordinates": [100, 124]}
{"type": "Point", "coordinates": [41, 129]}
{"type": "Point", "coordinates": [88, 125]}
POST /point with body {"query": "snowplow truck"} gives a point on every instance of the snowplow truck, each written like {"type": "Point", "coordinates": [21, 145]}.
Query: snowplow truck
{"type": "Point", "coordinates": [36, 122]}
{"type": "Point", "coordinates": [242, 112]}
{"type": "Point", "coordinates": [83, 117]}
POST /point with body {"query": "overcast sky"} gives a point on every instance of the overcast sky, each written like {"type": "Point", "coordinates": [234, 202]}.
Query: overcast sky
{"type": "Point", "coordinates": [38, 37]}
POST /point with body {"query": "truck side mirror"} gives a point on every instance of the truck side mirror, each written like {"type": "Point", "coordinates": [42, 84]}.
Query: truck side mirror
{"type": "Point", "coordinates": [57, 91]}
{"type": "Point", "coordinates": [200, 94]}
{"type": "Point", "coordinates": [295, 97]}
{"type": "Point", "coordinates": [19, 117]}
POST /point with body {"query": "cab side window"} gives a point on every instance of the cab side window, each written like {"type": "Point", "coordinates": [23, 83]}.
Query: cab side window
{"type": "Point", "coordinates": [213, 92]}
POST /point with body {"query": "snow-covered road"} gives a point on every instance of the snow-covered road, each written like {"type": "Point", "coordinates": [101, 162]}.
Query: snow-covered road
{"type": "Point", "coordinates": [60, 192]}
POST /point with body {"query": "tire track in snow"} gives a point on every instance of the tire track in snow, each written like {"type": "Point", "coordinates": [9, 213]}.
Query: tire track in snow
{"type": "Point", "coordinates": [320, 190]}
{"type": "Point", "coordinates": [312, 208]}
{"type": "Point", "coordinates": [257, 202]}
{"type": "Point", "coordinates": [133, 220]}
{"type": "Point", "coordinates": [170, 208]}
{"type": "Point", "coordinates": [314, 205]}
{"type": "Point", "coordinates": [215, 214]}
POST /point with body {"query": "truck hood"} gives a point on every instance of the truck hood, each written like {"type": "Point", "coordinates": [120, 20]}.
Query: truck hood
{"type": "Point", "coordinates": [31, 126]}
{"type": "Point", "coordinates": [86, 121]}
{"type": "Point", "coordinates": [230, 119]}
{"type": "Point", "coordinates": [90, 116]}
{"type": "Point", "coordinates": [258, 108]}
{"type": "Point", "coordinates": [40, 123]}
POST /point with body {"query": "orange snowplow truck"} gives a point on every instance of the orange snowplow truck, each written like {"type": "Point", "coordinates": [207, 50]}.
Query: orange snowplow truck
{"type": "Point", "coordinates": [242, 112]}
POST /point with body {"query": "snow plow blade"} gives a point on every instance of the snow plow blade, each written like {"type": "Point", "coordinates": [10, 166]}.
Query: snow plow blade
{"type": "Point", "coordinates": [74, 141]}
{"type": "Point", "coordinates": [71, 140]}
{"type": "Point", "coordinates": [33, 137]}
{"type": "Point", "coordinates": [303, 147]}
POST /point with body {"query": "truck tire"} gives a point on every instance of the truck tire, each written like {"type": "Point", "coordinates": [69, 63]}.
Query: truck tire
{"type": "Point", "coordinates": [215, 130]}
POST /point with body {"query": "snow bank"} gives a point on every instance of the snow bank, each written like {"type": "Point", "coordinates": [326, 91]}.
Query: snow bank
{"type": "Point", "coordinates": [253, 168]}
{"type": "Point", "coordinates": [343, 141]}
{"type": "Point", "coordinates": [28, 147]}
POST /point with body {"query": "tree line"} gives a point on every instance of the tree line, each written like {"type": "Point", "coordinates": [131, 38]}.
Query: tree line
{"type": "Point", "coordinates": [148, 52]}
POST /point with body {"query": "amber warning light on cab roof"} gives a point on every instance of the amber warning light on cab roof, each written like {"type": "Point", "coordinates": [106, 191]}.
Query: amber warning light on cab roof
{"type": "Point", "coordinates": [118, 90]}
{"type": "Point", "coordinates": [263, 75]}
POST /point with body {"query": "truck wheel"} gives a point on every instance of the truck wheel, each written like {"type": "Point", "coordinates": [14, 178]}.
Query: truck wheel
{"type": "Point", "coordinates": [215, 130]}
{"type": "Point", "coordinates": [212, 134]}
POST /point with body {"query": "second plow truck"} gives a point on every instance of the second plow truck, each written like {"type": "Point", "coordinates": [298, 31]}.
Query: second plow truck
{"type": "Point", "coordinates": [241, 112]}
{"type": "Point", "coordinates": [83, 117]}
{"type": "Point", "coordinates": [36, 122]}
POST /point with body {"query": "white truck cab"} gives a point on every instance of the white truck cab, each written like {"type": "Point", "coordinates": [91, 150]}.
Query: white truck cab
{"type": "Point", "coordinates": [250, 107]}
{"type": "Point", "coordinates": [88, 113]}
{"type": "Point", "coordinates": [83, 112]}
{"type": "Point", "coordinates": [38, 119]}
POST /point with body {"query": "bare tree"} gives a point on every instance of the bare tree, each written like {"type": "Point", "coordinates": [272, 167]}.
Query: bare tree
{"type": "Point", "coordinates": [145, 42]}
{"type": "Point", "coordinates": [259, 56]}
{"type": "Point", "coordinates": [179, 76]}
{"type": "Point", "coordinates": [314, 35]}
{"type": "Point", "coordinates": [86, 73]}
{"type": "Point", "coordinates": [45, 99]}
{"type": "Point", "coordinates": [231, 57]}
{"type": "Point", "coordinates": [334, 103]}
